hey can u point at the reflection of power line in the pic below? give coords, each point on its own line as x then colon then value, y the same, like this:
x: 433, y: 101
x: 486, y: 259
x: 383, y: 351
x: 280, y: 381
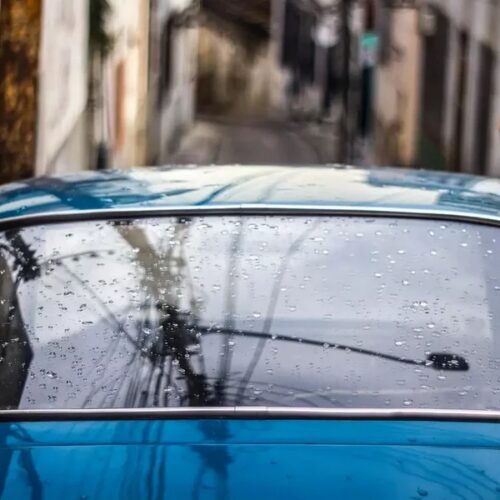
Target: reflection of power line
x: 294, y: 247
x: 101, y: 302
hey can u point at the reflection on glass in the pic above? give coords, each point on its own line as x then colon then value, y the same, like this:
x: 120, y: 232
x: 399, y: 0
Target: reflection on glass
x: 261, y: 311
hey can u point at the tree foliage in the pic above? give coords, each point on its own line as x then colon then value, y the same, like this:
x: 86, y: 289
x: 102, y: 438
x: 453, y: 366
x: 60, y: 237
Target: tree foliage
x: 19, y: 51
x: 101, y: 40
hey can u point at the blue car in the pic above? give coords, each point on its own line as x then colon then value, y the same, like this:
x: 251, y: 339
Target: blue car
x: 242, y: 332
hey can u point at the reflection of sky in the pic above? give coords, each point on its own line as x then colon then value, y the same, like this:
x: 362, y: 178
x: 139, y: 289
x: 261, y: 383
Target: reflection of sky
x: 405, y: 288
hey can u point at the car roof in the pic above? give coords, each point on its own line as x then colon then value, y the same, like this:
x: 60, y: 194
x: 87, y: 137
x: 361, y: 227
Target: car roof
x: 274, y: 187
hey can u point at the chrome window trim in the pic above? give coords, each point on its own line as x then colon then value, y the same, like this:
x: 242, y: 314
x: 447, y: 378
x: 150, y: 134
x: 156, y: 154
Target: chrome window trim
x: 247, y: 209
x: 251, y: 413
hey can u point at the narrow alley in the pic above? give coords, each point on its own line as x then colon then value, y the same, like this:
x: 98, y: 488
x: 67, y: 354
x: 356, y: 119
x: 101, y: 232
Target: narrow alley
x: 258, y: 143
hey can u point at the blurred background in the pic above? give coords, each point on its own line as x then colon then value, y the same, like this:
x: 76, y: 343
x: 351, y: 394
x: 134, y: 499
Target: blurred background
x: 92, y: 84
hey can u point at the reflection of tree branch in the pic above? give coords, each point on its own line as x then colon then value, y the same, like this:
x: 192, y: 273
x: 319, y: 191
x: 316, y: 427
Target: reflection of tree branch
x: 271, y: 310
x: 24, y: 257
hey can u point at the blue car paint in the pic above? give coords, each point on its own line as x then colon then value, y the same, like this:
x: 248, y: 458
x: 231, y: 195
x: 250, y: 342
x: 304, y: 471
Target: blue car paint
x: 240, y: 459
x: 219, y: 185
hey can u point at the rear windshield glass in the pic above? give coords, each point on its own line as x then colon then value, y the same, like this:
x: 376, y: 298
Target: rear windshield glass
x: 336, y: 312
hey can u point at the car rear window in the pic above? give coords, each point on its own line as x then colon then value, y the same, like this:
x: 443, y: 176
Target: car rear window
x: 335, y: 312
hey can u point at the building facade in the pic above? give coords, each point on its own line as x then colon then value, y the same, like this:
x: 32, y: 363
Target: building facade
x: 438, y: 92
x: 172, y: 72
x: 61, y: 133
x: 397, y: 89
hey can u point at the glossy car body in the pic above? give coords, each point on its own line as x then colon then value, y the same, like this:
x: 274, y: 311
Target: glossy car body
x: 229, y: 452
